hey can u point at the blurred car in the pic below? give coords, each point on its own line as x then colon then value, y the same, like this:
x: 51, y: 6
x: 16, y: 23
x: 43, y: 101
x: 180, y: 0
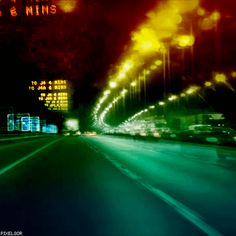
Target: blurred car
x: 90, y: 133
x: 72, y: 133
x: 223, y: 135
x: 208, y: 134
x: 66, y: 133
x: 76, y: 133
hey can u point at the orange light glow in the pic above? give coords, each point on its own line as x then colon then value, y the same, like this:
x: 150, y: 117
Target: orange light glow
x: 67, y: 5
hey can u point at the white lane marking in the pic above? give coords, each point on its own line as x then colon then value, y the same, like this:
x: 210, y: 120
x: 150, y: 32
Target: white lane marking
x: 183, y: 210
x: 9, y: 167
x: 186, y: 212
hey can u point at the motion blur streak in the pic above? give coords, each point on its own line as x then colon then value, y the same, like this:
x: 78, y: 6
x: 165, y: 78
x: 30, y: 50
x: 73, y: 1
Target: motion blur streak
x: 9, y: 167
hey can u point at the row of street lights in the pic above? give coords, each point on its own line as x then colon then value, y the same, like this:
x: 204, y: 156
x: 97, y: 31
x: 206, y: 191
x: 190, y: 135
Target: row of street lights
x: 152, y: 49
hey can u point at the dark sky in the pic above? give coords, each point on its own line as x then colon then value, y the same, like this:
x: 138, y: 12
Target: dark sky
x: 80, y: 47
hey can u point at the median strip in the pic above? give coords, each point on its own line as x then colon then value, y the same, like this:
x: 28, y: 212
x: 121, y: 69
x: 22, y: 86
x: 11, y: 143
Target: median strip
x: 9, y: 167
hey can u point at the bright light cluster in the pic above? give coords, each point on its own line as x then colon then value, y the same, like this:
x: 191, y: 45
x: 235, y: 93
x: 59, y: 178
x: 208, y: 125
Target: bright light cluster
x: 217, y: 78
x: 164, y: 27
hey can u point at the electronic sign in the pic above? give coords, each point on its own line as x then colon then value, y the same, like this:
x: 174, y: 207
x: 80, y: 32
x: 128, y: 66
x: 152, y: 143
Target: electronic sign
x: 53, y: 93
x: 14, y: 8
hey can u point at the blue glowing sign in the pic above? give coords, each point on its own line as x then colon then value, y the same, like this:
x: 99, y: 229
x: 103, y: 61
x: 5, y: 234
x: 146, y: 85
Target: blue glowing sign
x: 25, y: 123
x: 35, y: 123
x: 50, y: 129
x: 10, y: 122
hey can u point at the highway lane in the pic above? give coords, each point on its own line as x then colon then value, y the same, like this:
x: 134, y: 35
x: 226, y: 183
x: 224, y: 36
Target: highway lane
x: 112, y: 186
x: 198, y: 178
x: 16, y: 150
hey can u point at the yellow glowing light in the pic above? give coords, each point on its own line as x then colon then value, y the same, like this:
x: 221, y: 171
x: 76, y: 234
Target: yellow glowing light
x: 146, y: 41
x: 67, y: 5
x: 158, y: 62
x: 220, y: 78
x: 201, y: 11
x: 184, y: 6
x: 185, y: 41
x: 208, y: 84
x: 161, y: 103
x: 121, y: 75
x: 112, y: 84
x: 123, y: 92
x: 107, y: 92
x: 210, y: 22
x: 133, y: 84
x: 215, y: 16
x: 153, y: 67
x: 172, y: 98
x: 233, y: 74
x: 125, y: 67
x: 165, y: 19
x: 192, y: 89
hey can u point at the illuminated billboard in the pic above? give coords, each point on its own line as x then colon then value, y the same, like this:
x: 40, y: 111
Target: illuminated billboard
x: 53, y: 93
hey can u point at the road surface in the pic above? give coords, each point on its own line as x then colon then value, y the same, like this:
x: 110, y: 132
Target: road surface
x: 106, y: 185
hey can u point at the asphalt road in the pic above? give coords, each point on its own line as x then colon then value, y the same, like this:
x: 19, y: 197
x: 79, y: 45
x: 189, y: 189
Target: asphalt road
x: 114, y: 186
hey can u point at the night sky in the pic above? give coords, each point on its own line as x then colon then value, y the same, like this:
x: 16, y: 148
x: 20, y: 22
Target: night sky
x: 82, y: 46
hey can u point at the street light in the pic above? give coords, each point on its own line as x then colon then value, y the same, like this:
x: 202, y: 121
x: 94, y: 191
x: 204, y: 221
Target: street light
x: 113, y: 84
x: 183, y: 41
x: 67, y: 5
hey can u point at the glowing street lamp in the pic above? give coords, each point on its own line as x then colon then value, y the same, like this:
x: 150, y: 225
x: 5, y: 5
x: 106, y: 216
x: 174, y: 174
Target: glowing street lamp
x: 192, y: 89
x: 107, y: 92
x: 133, y: 84
x: 146, y: 41
x: 172, y: 98
x: 208, y: 84
x: 67, y: 5
x: 184, y: 41
x: 123, y: 92
x: 220, y: 78
x: 113, y: 84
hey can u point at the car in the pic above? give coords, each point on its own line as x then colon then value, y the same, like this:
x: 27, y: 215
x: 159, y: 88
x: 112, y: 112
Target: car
x: 223, y: 135
x: 208, y: 134
x: 90, y: 133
